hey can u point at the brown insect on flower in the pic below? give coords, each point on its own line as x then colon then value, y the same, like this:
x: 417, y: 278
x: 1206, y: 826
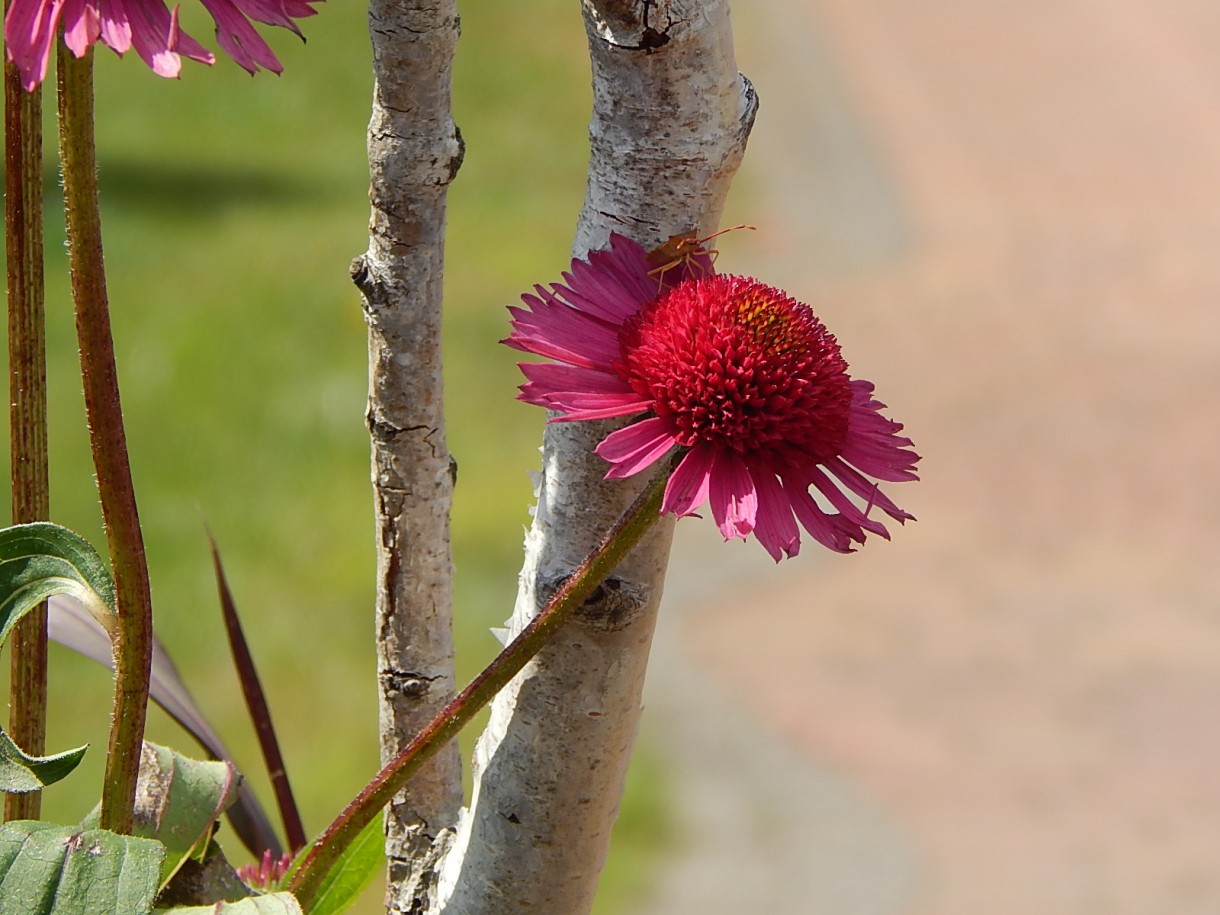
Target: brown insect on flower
x: 686, y: 251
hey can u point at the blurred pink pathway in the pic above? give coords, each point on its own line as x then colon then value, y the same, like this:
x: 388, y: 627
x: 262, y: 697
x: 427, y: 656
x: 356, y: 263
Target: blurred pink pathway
x: 1009, y: 213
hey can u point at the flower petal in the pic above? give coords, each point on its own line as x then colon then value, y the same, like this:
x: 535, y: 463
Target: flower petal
x: 151, y: 31
x: 612, y: 283
x: 774, y: 525
x: 848, y: 509
x: 635, y: 447
x: 866, y: 489
x: 551, y: 328
x: 29, y: 32
x: 688, y: 485
x: 239, y: 39
x: 579, y: 393
x: 873, y: 443
x: 832, y: 531
x: 82, y: 25
x: 733, y: 496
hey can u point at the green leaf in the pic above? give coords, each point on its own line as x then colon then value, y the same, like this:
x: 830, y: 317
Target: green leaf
x: 357, y: 866
x: 39, y: 560
x: 272, y: 904
x: 47, y: 869
x: 178, y: 801
x: 20, y: 773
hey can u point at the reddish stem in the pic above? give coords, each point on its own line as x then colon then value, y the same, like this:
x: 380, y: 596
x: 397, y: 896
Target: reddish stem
x: 23, y: 213
x: 133, y: 645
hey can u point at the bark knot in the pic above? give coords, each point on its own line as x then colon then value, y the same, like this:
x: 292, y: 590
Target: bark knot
x: 408, y: 684
x: 614, y: 604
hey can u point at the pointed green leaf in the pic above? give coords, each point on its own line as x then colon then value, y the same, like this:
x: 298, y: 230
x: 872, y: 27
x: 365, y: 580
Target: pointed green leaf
x: 178, y: 801
x: 47, y: 869
x: 272, y: 904
x: 39, y: 560
x: 20, y: 773
x: 364, y: 858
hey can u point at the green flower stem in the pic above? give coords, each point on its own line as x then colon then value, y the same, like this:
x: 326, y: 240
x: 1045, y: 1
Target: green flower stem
x: 133, y: 646
x: 629, y: 530
x: 27, y: 385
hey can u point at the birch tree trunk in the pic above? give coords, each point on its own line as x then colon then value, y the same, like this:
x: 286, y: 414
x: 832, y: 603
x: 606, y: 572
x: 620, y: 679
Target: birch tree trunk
x: 414, y: 152
x: 670, y: 122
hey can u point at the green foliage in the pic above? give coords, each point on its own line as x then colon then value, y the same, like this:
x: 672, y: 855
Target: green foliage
x: 63, y: 870
x: 20, y: 772
x: 352, y: 873
x: 40, y: 560
x: 178, y: 801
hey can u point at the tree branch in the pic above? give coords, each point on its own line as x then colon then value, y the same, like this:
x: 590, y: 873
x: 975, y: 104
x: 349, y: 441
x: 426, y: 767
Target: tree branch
x: 671, y: 117
x: 414, y: 151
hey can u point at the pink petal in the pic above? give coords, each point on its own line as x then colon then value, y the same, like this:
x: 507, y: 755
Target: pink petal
x: 577, y: 406
x: 832, y: 531
x: 866, y: 489
x: 613, y: 284
x: 151, y: 31
x: 29, y: 32
x: 186, y: 46
x: 239, y: 39
x: 848, y: 509
x: 688, y: 485
x: 733, y: 496
x: 774, y: 526
x: 550, y: 328
x: 635, y: 447
x: 556, y: 376
x: 82, y: 25
x: 115, y: 28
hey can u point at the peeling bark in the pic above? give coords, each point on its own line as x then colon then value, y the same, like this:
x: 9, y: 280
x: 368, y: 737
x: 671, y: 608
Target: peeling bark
x: 414, y: 152
x: 670, y: 122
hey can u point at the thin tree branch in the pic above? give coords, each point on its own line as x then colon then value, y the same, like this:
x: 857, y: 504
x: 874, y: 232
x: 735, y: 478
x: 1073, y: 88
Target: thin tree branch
x: 414, y: 152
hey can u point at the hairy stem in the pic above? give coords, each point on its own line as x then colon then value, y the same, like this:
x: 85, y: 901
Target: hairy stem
x: 27, y: 403
x: 634, y: 524
x: 133, y: 645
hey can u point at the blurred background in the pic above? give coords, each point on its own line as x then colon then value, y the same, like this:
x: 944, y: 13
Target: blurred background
x: 1008, y: 213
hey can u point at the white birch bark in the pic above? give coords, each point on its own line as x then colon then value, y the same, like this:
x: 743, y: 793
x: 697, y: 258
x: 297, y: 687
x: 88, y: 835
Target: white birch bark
x: 414, y: 152
x: 670, y: 122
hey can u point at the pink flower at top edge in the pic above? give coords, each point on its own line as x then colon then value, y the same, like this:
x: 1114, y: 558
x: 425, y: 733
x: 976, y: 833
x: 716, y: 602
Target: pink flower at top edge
x: 741, y: 377
x: 148, y: 26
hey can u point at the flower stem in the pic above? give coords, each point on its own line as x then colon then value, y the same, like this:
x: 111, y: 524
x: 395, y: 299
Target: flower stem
x: 133, y: 645
x: 27, y: 403
x: 625, y: 534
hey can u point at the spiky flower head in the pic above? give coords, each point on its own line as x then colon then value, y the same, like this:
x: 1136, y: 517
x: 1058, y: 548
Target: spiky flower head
x: 742, y: 378
x: 148, y: 26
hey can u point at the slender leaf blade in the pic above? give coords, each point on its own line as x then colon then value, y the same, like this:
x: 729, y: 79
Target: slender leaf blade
x: 258, y: 708
x: 48, y: 869
x: 362, y: 860
x: 20, y: 772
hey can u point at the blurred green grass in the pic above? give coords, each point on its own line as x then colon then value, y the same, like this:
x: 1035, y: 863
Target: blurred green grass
x: 231, y: 207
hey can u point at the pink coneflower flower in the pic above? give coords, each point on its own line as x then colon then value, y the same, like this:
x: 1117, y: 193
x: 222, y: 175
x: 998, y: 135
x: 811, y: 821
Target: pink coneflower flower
x: 266, y: 873
x: 146, y: 25
x: 741, y: 377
